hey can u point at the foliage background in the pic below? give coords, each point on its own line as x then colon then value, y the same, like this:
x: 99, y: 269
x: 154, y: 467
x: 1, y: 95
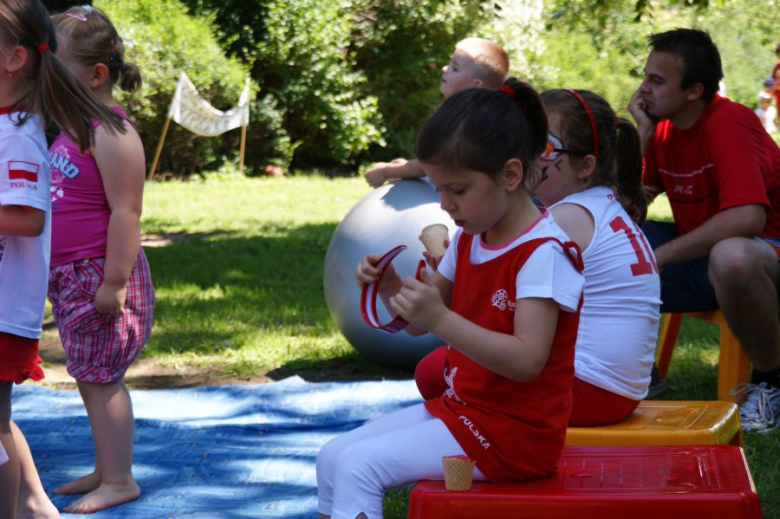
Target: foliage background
x: 340, y: 84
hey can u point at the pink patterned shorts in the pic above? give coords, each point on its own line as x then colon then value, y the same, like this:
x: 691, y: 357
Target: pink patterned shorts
x: 100, y: 347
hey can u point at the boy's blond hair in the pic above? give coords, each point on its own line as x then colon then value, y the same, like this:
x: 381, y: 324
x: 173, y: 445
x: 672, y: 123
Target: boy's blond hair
x: 491, y: 60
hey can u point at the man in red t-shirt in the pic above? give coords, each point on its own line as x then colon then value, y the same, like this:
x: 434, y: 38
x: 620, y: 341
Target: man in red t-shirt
x: 721, y: 173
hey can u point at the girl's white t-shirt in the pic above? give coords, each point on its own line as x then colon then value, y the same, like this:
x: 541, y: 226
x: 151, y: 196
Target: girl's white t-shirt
x: 24, y: 261
x: 548, y: 273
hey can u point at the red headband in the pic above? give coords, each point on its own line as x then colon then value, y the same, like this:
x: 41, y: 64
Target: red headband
x: 42, y: 47
x: 506, y: 89
x: 590, y: 118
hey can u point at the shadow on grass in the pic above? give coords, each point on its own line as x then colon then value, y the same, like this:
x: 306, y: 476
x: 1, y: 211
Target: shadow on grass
x: 263, y: 294
x: 213, y: 289
x: 350, y: 368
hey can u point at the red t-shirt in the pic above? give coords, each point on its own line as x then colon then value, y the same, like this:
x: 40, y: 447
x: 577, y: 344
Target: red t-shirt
x: 513, y: 430
x: 726, y: 159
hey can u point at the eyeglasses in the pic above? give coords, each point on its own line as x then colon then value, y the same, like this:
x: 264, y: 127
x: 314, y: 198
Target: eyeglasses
x: 555, y: 148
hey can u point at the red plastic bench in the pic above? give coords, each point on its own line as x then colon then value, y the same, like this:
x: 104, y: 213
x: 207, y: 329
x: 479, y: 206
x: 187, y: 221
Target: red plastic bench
x: 665, y: 482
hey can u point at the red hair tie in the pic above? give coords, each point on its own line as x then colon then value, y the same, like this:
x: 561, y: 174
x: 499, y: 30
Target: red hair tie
x: 42, y: 47
x: 506, y: 89
x: 590, y: 118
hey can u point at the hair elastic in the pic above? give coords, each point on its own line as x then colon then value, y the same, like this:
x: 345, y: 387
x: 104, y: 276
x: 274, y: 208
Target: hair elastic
x: 506, y: 89
x: 79, y: 17
x: 87, y: 8
x: 42, y: 47
x: 590, y: 118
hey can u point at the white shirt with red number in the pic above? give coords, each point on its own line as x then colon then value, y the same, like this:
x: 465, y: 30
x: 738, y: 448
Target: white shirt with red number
x: 621, y: 300
x: 24, y: 261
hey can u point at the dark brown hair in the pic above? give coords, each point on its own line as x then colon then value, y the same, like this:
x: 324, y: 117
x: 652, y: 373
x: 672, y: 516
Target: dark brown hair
x: 619, y: 163
x: 54, y: 92
x: 700, y: 56
x: 481, y: 129
x: 93, y: 39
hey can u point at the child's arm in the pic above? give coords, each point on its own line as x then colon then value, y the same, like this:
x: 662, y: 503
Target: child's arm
x: 520, y: 357
x: 21, y: 220
x: 394, y: 170
x: 120, y: 158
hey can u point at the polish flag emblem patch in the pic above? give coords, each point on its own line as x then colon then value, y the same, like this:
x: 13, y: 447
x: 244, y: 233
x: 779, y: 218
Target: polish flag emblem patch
x: 18, y: 170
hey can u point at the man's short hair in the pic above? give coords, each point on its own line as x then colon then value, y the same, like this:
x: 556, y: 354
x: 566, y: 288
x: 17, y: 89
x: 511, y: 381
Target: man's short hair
x: 490, y: 58
x: 700, y: 56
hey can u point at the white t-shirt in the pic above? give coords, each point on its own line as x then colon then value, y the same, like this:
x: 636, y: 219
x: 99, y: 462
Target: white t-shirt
x: 767, y: 117
x: 621, y: 300
x: 548, y: 273
x: 24, y: 261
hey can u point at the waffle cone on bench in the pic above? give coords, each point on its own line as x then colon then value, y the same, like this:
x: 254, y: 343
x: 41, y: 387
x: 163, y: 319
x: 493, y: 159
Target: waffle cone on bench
x: 458, y: 472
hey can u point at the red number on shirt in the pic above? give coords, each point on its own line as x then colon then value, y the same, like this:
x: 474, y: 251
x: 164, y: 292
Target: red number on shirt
x: 642, y: 251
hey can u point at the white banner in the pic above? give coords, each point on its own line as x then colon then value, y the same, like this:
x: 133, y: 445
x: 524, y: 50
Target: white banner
x: 193, y: 112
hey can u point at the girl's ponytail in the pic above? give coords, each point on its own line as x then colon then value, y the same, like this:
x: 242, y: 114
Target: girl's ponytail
x: 129, y: 77
x: 92, y: 39
x: 531, y: 105
x: 630, y: 190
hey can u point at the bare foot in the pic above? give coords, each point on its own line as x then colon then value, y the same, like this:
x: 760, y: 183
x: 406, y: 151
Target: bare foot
x: 37, y: 511
x: 80, y: 485
x: 105, y: 496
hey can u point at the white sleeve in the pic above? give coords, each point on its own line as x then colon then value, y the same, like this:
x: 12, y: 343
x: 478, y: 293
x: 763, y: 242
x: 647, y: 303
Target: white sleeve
x: 24, y: 174
x: 450, y: 259
x: 548, y: 273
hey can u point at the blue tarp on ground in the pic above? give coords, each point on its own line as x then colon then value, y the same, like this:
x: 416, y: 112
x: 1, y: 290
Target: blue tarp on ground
x: 210, y: 452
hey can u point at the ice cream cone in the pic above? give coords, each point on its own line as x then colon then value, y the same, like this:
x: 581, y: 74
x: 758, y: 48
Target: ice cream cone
x: 458, y: 472
x: 433, y: 237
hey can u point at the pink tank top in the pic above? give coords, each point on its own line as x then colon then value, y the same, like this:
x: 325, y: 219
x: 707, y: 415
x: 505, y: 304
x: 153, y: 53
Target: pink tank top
x: 80, y: 210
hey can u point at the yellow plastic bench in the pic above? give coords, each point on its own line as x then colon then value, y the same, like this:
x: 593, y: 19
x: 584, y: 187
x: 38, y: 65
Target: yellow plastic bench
x: 733, y: 362
x: 658, y: 422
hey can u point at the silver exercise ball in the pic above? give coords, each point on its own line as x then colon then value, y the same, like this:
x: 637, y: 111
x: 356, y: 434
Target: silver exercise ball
x: 391, y: 215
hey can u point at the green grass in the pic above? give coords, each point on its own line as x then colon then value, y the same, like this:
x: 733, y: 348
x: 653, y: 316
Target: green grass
x: 242, y: 290
x: 244, y: 294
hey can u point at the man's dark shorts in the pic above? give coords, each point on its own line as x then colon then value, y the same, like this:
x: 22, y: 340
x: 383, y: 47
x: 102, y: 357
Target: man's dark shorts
x: 685, y: 287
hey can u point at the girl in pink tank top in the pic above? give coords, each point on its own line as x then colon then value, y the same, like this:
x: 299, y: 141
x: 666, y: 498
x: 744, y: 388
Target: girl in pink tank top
x: 99, y: 283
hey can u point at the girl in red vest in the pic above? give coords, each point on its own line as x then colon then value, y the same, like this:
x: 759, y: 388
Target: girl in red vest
x: 505, y: 298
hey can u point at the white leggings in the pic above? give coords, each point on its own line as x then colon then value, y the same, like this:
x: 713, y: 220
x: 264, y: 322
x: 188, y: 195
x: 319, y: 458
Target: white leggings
x: 355, y: 469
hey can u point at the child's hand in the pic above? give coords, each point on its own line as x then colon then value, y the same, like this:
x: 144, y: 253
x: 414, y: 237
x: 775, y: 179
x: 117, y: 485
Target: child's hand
x: 433, y: 260
x: 383, y: 172
x: 110, y: 299
x: 367, y: 272
x: 419, y: 302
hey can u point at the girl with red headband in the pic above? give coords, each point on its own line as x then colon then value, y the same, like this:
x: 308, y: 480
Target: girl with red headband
x: 100, y: 286
x: 35, y: 88
x: 591, y: 183
x: 505, y: 298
